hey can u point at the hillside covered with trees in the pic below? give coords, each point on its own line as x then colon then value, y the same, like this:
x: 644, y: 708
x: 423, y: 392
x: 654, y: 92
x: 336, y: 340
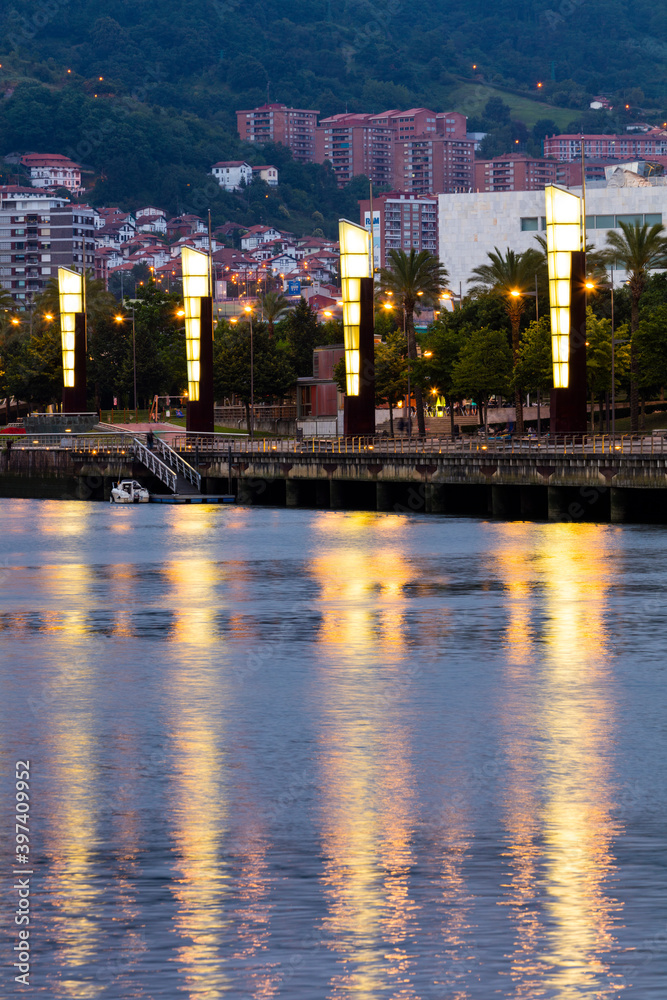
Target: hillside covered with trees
x: 144, y: 93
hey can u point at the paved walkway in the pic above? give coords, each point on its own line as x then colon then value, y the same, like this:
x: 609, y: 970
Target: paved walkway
x: 165, y: 430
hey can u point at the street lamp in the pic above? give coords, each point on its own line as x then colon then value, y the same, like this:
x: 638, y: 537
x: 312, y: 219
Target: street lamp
x: 121, y: 319
x: 248, y: 310
x: 392, y: 305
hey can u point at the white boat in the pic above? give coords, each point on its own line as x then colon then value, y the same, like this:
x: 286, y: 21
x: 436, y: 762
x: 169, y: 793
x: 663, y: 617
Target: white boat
x: 129, y: 491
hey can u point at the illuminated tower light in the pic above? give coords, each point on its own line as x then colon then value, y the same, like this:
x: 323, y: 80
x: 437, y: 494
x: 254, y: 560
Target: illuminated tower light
x: 354, y: 265
x: 563, y: 219
x: 195, y: 287
x: 70, y: 289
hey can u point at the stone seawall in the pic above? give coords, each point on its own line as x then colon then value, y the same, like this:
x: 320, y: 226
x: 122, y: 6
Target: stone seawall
x: 58, y: 474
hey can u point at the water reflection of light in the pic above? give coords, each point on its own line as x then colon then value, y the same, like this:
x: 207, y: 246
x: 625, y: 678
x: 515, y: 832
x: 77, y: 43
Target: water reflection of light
x: 565, y: 825
x: 368, y: 810
x: 66, y: 519
x: 193, y: 583
x: 71, y: 883
x: 204, y: 882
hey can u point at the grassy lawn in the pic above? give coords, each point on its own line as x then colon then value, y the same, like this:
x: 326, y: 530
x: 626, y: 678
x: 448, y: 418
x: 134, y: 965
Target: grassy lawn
x: 470, y: 98
x: 654, y: 421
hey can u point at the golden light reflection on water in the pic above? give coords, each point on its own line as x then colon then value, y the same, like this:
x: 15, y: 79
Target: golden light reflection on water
x: 192, y: 583
x: 557, y: 580
x: 65, y: 519
x: 367, y: 810
x: 71, y: 881
x: 203, y: 881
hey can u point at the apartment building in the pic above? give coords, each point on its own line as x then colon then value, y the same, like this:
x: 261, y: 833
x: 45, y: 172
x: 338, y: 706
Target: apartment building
x: 433, y: 164
x: 627, y: 145
x: 356, y: 144
x: 292, y: 127
x: 39, y: 233
x: 515, y: 172
x: 418, y: 150
x: 400, y: 222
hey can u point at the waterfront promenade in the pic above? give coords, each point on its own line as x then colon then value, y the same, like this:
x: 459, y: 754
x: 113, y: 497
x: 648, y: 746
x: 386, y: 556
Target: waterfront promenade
x: 591, y: 478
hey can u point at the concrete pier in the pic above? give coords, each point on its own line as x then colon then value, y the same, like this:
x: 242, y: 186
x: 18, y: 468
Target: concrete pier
x: 593, y: 480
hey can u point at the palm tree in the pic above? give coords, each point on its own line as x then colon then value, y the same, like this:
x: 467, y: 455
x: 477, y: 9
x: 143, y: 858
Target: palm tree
x: 510, y: 276
x: 413, y: 277
x: 273, y: 306
x: 640, y: 249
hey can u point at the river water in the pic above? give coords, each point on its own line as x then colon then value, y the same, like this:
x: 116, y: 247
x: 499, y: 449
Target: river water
x: 306, y: 754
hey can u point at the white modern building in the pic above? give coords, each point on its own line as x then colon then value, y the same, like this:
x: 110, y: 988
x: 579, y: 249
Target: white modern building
x: 231, y: 174
x: 471, y: 225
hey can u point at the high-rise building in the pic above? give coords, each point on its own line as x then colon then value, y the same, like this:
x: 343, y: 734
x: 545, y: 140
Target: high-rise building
x: 626, y: 146
x: 356, y: 144
x: 40, y: 232
x: 418, y: 150
x: 400, y: 222
x: 433, y: 164
x: 293, y: 127
x: 516, y: 172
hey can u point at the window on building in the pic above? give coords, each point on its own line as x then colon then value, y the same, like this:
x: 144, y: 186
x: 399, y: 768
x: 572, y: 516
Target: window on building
x: 630, y: 220
x: 529, y: 225
x: 604, y: 222
x: 653, y: 218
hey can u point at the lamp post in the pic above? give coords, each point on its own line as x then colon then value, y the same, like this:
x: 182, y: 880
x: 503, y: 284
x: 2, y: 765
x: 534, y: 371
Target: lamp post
x: 248, y: 310
x: 614, y: 341
x: 390, y: 305
x: 121, y: 319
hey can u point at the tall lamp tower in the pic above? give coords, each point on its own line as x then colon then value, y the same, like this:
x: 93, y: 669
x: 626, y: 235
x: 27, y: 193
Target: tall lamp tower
x: 198, y: 307
x: 73, y: 339
x: 357, y: 297
x: 566, y: 261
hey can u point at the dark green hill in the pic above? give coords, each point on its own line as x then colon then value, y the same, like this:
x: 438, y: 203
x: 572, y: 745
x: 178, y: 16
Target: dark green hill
x: 173, y: 73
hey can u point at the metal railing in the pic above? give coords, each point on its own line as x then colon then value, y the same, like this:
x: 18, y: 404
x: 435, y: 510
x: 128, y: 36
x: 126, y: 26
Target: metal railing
x: 649, y: 444
x: 182, y: 467
x: 597, y: 444
x: 155, y: 465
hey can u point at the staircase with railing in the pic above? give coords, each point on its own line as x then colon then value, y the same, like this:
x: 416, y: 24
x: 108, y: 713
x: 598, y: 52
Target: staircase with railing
x: 155, y: 465
x: 188, y: 480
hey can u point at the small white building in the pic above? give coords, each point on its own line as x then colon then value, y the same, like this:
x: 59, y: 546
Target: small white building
x: 152, y: 224
x: 257, y: 235
x: 283, y: 263
x: 231, y: 174
x: 140, y: 212
x: 267, y: 173
x: 51, y: 170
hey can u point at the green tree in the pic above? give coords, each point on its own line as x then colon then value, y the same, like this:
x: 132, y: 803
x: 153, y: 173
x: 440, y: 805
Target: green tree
x: 159, y: 345
x: 272, y: 373
x: 637, y: 249
x: 300, y: 330
x: 391, y: 373
x: 412, y: 278
x: 598, y: 361
x: 273, y: 305
x: 651, y: 347
x: 483, y: 368
x: 534, y: 370
x: 33, y: 366
x: 510, y: 276
x: 441, y: 347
